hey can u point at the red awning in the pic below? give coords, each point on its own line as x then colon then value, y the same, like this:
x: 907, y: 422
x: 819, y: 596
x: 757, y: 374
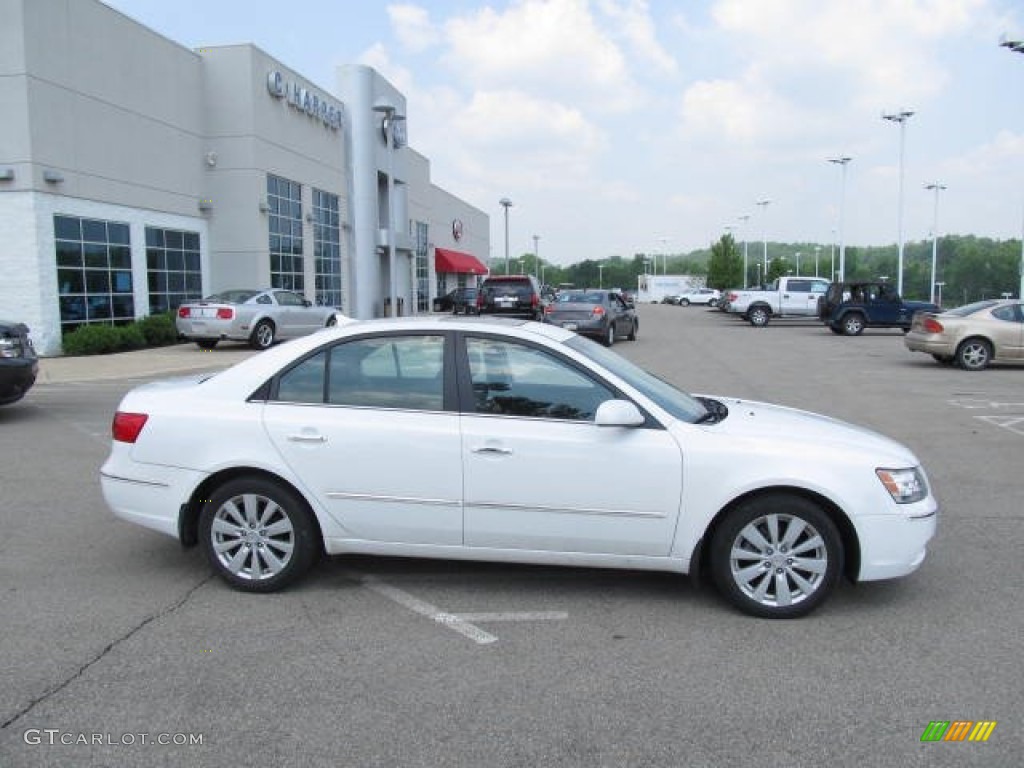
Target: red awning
x: 456, y: 261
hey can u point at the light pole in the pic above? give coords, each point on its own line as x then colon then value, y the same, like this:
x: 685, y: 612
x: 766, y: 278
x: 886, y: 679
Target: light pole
x: 664, y: 257
x: 1017, y: 46
x: 934, y: 187
x: 600, y: 275
x: 744, y: 218
x: 817, y: 255
x: 939, y: 294
x: 506, y: 204
x: 764, y: 233
x: 900, y: 117
x: 841, y: 161
x: 536, y: 257
x: 798, y: 263
x: 393, y: 140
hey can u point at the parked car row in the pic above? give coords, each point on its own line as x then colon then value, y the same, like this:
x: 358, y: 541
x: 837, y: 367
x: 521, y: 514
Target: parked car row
x: 701, y: 296
x: 970, y: 337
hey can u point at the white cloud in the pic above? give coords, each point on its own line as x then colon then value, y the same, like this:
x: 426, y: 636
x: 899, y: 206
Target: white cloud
x: 633, y: 21
x: 413, y: 27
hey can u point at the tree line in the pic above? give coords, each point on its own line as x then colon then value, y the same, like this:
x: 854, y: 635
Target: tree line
x: 969, y: 267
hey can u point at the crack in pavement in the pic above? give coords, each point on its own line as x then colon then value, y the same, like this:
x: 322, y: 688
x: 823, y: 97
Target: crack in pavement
x: 110, y: 646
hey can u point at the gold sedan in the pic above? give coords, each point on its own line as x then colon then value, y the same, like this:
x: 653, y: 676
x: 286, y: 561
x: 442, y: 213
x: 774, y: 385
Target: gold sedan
x: 971, y: 336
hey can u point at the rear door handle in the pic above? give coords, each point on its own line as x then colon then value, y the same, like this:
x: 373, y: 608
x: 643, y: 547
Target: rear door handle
x: 492, y: 451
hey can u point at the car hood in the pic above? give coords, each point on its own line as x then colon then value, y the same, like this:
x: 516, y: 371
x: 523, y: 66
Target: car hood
x: 10, y: 326
x: 780, y: 425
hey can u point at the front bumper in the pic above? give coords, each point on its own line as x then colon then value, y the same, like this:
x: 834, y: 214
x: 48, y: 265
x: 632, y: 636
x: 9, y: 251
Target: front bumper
x: 17, y: 375
x: 895, y: 545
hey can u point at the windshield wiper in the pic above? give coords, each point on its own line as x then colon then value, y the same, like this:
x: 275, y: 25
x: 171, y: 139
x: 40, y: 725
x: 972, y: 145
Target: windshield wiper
x: 716, y: 411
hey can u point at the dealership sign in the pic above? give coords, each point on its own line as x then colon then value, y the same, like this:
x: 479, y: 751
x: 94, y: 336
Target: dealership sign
x: 304, y: 99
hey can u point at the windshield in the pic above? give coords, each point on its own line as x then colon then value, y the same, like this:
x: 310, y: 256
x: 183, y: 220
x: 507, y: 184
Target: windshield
x: 970, y: 309
x: 231, y: 297
x: 681, y: 405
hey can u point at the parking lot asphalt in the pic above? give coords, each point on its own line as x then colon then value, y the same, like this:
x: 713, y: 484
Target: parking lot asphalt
x: 114, y: 636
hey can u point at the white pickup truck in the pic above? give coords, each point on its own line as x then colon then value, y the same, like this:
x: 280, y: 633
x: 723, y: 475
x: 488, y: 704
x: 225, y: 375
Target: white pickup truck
x: 786, y: 297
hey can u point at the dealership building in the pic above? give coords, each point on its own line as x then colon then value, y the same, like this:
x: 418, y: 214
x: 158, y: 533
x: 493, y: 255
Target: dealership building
x: 136, y: 174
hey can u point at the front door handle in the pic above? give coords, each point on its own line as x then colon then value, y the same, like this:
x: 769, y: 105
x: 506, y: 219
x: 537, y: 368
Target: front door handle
x: 303, y: 438
x: 492, y: 451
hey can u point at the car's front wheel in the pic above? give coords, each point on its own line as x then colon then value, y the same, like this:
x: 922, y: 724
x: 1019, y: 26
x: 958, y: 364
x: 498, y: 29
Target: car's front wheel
x: 776, y: 556
x: 262, y: 335
x: 974, y: 354
x: 258, y: 535
x: 684, y: 302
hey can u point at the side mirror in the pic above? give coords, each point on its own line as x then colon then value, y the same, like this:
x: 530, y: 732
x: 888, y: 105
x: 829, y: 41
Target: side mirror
x: 618, y: 413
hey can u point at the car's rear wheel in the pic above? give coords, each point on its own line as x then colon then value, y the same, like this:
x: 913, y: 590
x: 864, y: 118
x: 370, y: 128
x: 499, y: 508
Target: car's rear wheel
x: 633, y: 330
x: 776, y: 556
x: 853, y: 324
x: 262, y: 335
x: 206, y: 343
x: 684, y: 302
x: 258, y: 535
x: 944, y: 359
x: 609, y: 335
x: 759, y: 316
x: 974, y: 354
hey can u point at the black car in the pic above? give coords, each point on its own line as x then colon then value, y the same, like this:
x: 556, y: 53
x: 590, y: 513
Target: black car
x: 603, y: 315
x: 512, y: 296
x: 458, y: 301
x: 19, y: 365
x: 848, y: 308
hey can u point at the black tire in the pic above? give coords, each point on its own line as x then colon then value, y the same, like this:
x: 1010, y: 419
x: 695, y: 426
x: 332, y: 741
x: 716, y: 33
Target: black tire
x: 837, y: 330
x: 263, y: 335
x: 265, y: 537
x: 974, y: 354
x: 633, y: 330
x: 609, y: 335
x: 206, y: 344
x: 853, y: 324
x: 684, y: 302
x: 331, y: 321
x: 754, y: 567
x: 713, y: 303
x: 944, y: 359
x: 759, y: 316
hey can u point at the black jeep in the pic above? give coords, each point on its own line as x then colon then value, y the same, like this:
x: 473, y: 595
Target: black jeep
x: 850, y: 307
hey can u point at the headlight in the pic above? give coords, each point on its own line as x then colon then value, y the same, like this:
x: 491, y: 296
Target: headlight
x: 904, y: 485
x: 10, y: 347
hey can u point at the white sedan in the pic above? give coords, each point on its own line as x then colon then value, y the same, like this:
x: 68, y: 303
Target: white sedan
x: 258, y: 317
x: 708, y: 296
x: 513, y: 441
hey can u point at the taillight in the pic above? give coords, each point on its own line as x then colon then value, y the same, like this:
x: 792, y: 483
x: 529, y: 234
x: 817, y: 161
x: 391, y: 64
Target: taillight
x: 549, y: 309
x: 534, y: 300
x: 183, y: 311
x: 732, y: 296
x: 225, y: 313
x: 597, y: 311
x: 931, y: 325
x: 128, y: 426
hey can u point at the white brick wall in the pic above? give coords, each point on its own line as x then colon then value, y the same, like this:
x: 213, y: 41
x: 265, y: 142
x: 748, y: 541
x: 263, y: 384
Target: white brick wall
x: 28, y: 271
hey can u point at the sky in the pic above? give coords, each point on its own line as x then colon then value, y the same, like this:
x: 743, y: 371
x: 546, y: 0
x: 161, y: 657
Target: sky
x: 618, y: 127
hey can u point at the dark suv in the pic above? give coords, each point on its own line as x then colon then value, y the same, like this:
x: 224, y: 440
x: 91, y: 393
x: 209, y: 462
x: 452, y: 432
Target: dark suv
x: 849, y: 308
x: 18, y: 362
x: 512, y: 296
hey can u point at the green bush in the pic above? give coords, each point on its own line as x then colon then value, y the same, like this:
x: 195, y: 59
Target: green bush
x: 159, y: 330
x: 131, y: 337
x: 92, y: 340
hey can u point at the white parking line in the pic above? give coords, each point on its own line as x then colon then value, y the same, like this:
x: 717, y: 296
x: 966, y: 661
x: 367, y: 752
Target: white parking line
x: 484, y: 618
x: 463, y: 623
x: 423, y: 608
